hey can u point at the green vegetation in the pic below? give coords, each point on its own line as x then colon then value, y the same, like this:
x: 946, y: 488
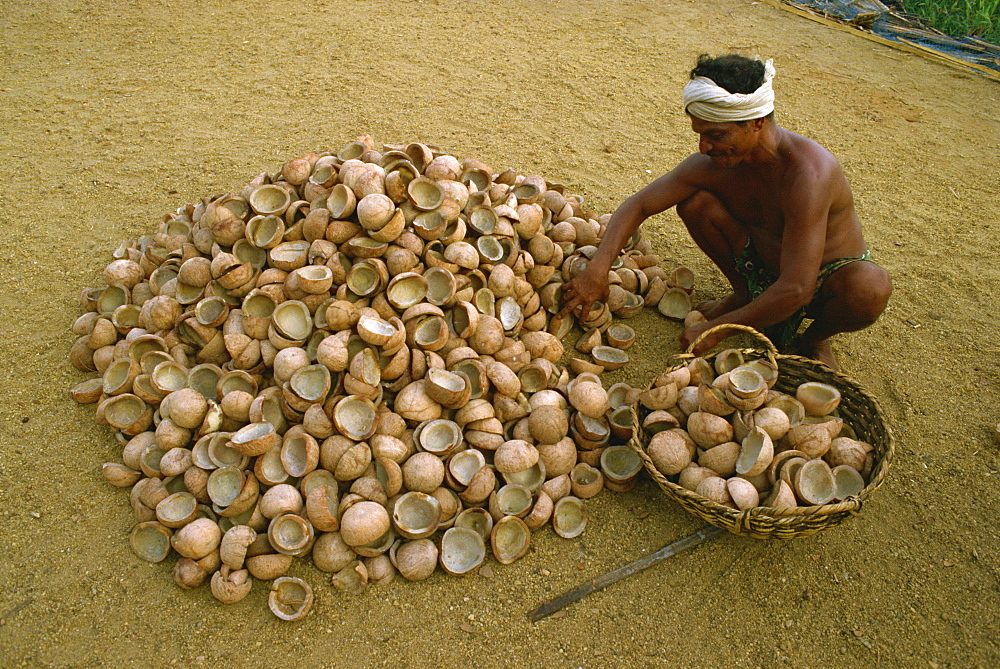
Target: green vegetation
x: 979, y: 18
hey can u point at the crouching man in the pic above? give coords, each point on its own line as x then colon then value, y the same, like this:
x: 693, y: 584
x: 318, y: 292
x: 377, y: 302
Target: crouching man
x: 773, y: 211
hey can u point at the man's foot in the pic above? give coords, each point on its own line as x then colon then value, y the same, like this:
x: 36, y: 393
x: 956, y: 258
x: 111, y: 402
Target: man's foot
x: 714, y: 308
x: 819, y: 350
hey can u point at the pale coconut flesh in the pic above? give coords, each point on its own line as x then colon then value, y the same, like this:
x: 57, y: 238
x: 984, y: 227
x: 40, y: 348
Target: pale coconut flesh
x: 295, y: 457
x: 289, y: 251
x: 440, y: 285
x: 177, y: 507
x: 445, y: 380
x: 150, y: 541
x: 288, y: 532
x: 746, y: 382
x: 425, y: 193
x: 209, y: 309
x: 620, y: 462
x: 440, y: 435
x: 509, y: 539
x: 609, y: 354
x: 847, y: 481
x: 675, y: 304
x: 268, y: 199
x: 464, y: 465
x: 293, y: 319
x: 125, y: 410
x: 116, y: 375
x: 756, y: 453
x: 367, y: 243
x: 621, y: 417
x: 408, y: 291
x: 265, y: 230
x: 355, y: 416
x: 112, y: 297
x: 199, y: 455
x: 429, y: 331
x: 531, y: 478
x: 258, y: 305
x: 792, y: 407
x: 510, y: 313
x: 363, y: 280
x: 592, y: 428
x: 186, y: 294
x: 584, y: 475
x: 513, y: 499
x: 462, y: 550
x: 483, y: 220
x: 490, y: 247
x: 312, y: 382
x: 485, y: 301
x: 818, y: 399
x: 271, y: 467
x: 315, y: 273
x: 377, y: 326
x: 416, y: 511
x: 253, y: 431
x: 569, y: 517
x: 815, y: 482
x: 248, y: 253
x: 222, y: 455
x: 224, y: 485
x: 475, y: 519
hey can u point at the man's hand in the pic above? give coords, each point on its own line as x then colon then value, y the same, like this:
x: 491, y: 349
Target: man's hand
x: 583, y: 290
x: 692, y: 332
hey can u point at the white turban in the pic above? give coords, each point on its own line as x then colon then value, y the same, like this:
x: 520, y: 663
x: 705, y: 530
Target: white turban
x: 705, y: 99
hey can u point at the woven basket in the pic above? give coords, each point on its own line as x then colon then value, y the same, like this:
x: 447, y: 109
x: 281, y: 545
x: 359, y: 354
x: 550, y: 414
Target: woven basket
x: 858, y: 408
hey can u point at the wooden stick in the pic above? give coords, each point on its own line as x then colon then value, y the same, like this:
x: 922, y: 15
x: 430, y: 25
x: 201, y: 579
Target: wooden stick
x: 593, y: 585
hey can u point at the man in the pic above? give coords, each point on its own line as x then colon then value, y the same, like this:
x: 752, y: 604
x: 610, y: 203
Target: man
x: 770, y: 208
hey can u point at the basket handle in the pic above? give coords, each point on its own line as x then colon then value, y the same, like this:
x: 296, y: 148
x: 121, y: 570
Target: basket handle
x: 769, y: 347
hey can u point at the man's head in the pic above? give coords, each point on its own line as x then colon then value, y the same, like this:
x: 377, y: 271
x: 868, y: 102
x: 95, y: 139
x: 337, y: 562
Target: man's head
x: 730, y: 100
x: 737, y: 74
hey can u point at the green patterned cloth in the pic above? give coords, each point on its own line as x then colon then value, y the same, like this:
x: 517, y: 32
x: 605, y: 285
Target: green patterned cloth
x: 758, y: 277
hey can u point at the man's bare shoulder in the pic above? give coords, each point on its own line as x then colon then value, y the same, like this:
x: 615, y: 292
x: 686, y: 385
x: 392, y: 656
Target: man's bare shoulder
x: 699, y: 171
x: 804, y: 153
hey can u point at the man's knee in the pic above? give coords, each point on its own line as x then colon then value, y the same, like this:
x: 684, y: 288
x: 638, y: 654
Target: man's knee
x: 710, y: 223
x: 698, y: 208
x: 864, y: 288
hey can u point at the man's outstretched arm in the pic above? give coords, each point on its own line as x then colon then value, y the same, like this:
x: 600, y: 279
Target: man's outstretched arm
x: 591, y: 284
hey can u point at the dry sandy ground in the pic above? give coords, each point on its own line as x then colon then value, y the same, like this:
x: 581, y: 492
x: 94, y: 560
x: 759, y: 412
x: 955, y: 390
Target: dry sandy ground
x: 114, y: 113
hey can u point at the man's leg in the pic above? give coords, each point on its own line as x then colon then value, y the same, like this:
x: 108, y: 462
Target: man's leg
x: 722, y: 238
x: 851, y: 298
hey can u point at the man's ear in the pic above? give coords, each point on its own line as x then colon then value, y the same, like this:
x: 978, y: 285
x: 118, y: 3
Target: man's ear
x: 757, y: 123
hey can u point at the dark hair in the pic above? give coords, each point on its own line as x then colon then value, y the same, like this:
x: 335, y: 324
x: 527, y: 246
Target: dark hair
x: 737, y: 74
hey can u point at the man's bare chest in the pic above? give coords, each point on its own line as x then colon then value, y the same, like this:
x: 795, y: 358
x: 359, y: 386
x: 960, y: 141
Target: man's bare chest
x: 754, y: 203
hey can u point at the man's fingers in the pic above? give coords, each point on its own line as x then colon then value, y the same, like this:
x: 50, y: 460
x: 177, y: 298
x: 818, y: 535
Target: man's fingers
x: 568, y: 297
x: 565, y: 310
x: 585, y: 305
x: 568, y: 305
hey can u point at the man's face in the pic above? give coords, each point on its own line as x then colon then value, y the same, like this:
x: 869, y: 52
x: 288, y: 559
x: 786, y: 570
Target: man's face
x: 727, y: 144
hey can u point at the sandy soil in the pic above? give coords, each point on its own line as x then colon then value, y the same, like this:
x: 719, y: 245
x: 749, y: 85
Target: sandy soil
x: 114, y: 113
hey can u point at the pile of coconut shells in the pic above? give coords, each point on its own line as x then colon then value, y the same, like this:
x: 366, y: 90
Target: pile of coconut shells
x: 718, y: 428
x: 357, y: 360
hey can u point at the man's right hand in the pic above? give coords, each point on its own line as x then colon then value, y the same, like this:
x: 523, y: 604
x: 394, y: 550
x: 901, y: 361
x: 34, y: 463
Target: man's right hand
x: 583, y: 290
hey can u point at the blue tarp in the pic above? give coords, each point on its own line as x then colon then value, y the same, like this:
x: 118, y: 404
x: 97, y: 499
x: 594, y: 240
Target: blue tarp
x: 886, y: 23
